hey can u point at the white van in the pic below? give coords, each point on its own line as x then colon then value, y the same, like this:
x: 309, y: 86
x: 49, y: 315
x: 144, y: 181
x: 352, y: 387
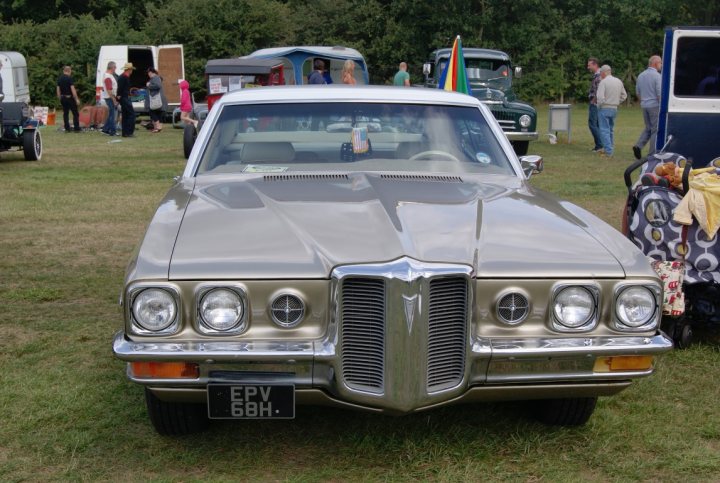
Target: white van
x: 169, y: 60
x: 14, y: 77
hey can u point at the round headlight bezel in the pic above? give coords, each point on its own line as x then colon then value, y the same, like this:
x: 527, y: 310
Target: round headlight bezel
x: 563, y: 294
x: 652, y: 294
x: 525, y: 121
x: 235, y: 299
x: 141, y: 297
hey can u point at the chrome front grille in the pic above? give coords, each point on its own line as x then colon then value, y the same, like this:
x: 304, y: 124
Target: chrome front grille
x: 363, y: 334
x: 402, y: 331
x: 447, y: 328
x: 506, y: 119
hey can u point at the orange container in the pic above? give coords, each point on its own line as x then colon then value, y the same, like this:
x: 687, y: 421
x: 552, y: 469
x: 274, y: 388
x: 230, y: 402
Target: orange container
x: 51, y: 118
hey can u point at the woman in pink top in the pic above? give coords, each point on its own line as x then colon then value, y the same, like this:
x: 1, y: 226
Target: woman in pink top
x: 186, y: 103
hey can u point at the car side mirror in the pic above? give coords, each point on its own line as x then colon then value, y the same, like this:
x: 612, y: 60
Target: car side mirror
x: 518, y: 71
x: 427, y: 68
x: 531, y: 164
x: 2, y: 96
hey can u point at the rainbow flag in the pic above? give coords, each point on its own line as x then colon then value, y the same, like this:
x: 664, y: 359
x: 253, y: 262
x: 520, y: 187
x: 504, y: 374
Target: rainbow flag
x: 454, y: 77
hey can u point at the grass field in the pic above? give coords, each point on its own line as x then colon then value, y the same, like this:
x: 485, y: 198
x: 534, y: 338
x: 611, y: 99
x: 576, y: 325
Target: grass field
x: 68, y: 225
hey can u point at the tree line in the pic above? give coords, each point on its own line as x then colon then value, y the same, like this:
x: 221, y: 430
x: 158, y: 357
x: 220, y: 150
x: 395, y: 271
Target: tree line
x: 550, y: 39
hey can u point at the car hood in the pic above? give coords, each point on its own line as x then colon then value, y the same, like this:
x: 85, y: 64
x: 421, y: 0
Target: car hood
x: 302, y: 226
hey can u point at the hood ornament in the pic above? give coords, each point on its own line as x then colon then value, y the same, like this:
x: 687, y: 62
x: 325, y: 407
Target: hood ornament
x: 410, y: 303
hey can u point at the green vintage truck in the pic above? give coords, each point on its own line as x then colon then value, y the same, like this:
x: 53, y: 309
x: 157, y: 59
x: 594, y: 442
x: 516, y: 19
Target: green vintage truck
x: 491, y: 75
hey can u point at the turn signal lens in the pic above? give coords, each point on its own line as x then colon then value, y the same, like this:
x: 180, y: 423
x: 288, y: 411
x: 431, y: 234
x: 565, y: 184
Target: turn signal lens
x: 165, y: 370
x: 623, y: 363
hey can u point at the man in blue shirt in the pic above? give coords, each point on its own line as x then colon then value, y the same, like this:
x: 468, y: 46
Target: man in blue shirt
x: 648, y: 91
x: 316, y: 76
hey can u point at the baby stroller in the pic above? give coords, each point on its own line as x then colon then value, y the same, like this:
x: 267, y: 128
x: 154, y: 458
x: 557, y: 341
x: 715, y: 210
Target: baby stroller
x: 648, y: 220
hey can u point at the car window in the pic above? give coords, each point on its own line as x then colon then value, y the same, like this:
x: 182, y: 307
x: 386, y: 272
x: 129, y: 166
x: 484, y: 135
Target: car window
x: 346, y: 136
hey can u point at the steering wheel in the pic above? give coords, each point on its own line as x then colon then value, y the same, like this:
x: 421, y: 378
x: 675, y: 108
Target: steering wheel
x: 432, y: 152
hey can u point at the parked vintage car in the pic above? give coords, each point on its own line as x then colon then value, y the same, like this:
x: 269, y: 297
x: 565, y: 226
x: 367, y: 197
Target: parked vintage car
x: 228, y: 75
x: 491, y: 73
x: 376, y: 249
x: 18, y: 130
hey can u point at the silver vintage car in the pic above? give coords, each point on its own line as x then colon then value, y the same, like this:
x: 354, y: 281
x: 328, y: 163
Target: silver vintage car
x: 376, y: 249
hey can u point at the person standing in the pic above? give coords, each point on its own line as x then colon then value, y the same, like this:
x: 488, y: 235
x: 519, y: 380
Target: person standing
x: 316, y: 76
x: 156, y: 102
x: 611, y: 92
x: 348, y: 72
x: 69, y: 100
x: 126, y: 107
x: 648, y: 87
x: 1, y: 86
x: 186, y: 106
x: 593, y: 122
x: 402, y: 78
x: 109, y: 97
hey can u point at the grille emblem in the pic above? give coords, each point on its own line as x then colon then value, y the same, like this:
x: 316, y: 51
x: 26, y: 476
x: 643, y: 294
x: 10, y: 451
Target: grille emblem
x: 410, y: 303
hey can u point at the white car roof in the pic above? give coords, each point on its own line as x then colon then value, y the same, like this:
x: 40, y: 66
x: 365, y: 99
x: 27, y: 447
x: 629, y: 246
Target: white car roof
x: 342, y: 93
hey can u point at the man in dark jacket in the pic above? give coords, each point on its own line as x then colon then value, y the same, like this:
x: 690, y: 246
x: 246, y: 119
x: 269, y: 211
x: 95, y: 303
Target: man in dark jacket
x: 68, y: 99
x: 126, y: 107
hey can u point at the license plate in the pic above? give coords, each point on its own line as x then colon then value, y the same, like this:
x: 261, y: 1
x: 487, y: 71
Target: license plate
x: 250, y: 401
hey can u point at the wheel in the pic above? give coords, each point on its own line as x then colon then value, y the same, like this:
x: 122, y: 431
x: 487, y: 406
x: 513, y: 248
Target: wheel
x: 574, y: 411
x: 431, y: 153
x: 521, y: 147
x: 173, y: 418
x: 32, y: 145
x: 683, y: 336
x: 189, y: 135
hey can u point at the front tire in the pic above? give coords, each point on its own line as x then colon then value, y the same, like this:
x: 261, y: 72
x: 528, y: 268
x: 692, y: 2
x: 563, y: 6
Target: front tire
x: 32, y: 145
x: 521, y: 147
x: 174, y: 418
x: 574, y: 411
x: 189, y: 135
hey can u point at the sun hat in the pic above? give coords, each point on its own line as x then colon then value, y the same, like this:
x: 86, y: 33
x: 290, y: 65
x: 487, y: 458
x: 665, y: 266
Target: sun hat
x: 128, y: 66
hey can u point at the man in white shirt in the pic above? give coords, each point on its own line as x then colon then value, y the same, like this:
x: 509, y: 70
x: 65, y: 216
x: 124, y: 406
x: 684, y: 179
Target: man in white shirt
x: 109, y: 96
x: 610, y: 94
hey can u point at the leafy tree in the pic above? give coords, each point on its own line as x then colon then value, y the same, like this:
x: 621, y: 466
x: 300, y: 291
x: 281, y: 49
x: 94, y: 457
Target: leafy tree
x: 211, y: 29
x: 73, y: 41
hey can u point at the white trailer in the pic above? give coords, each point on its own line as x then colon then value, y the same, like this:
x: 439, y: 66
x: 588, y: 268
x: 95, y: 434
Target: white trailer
x: 14, y: 77
x: 169, y: 61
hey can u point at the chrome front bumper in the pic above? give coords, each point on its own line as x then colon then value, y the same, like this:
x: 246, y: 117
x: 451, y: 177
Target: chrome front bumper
x: 521, y: 136
x: 496, y: 369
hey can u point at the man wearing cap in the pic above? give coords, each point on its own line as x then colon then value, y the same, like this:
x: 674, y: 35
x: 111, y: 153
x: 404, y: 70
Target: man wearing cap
x: 648, y: 91
x: 123, y: 96
x: 611, y: 92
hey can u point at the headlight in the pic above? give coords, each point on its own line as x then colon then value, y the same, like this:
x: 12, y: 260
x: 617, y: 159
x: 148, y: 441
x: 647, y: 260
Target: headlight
x: 574, y: 307
x: 154, y: 309
x: 635, y: 306
x: 525, y: 120
x: 221, y: 310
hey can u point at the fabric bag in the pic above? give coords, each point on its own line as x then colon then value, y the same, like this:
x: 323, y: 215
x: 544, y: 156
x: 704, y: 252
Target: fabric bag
x: 155, y: 102
x: 671, y: 273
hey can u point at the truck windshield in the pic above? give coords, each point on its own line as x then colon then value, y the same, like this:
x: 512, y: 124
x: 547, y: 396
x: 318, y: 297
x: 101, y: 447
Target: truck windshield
x: 486, y: 72
x: 349, y: 136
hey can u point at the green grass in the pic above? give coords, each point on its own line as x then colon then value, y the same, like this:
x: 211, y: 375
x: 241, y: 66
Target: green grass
x: 68, y: 225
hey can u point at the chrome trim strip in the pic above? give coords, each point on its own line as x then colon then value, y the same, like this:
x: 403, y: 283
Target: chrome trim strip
x: 522, y: 136
x: 576, y: 346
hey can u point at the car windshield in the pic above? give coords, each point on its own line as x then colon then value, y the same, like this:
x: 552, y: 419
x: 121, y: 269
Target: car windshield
x: 352, y: 136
